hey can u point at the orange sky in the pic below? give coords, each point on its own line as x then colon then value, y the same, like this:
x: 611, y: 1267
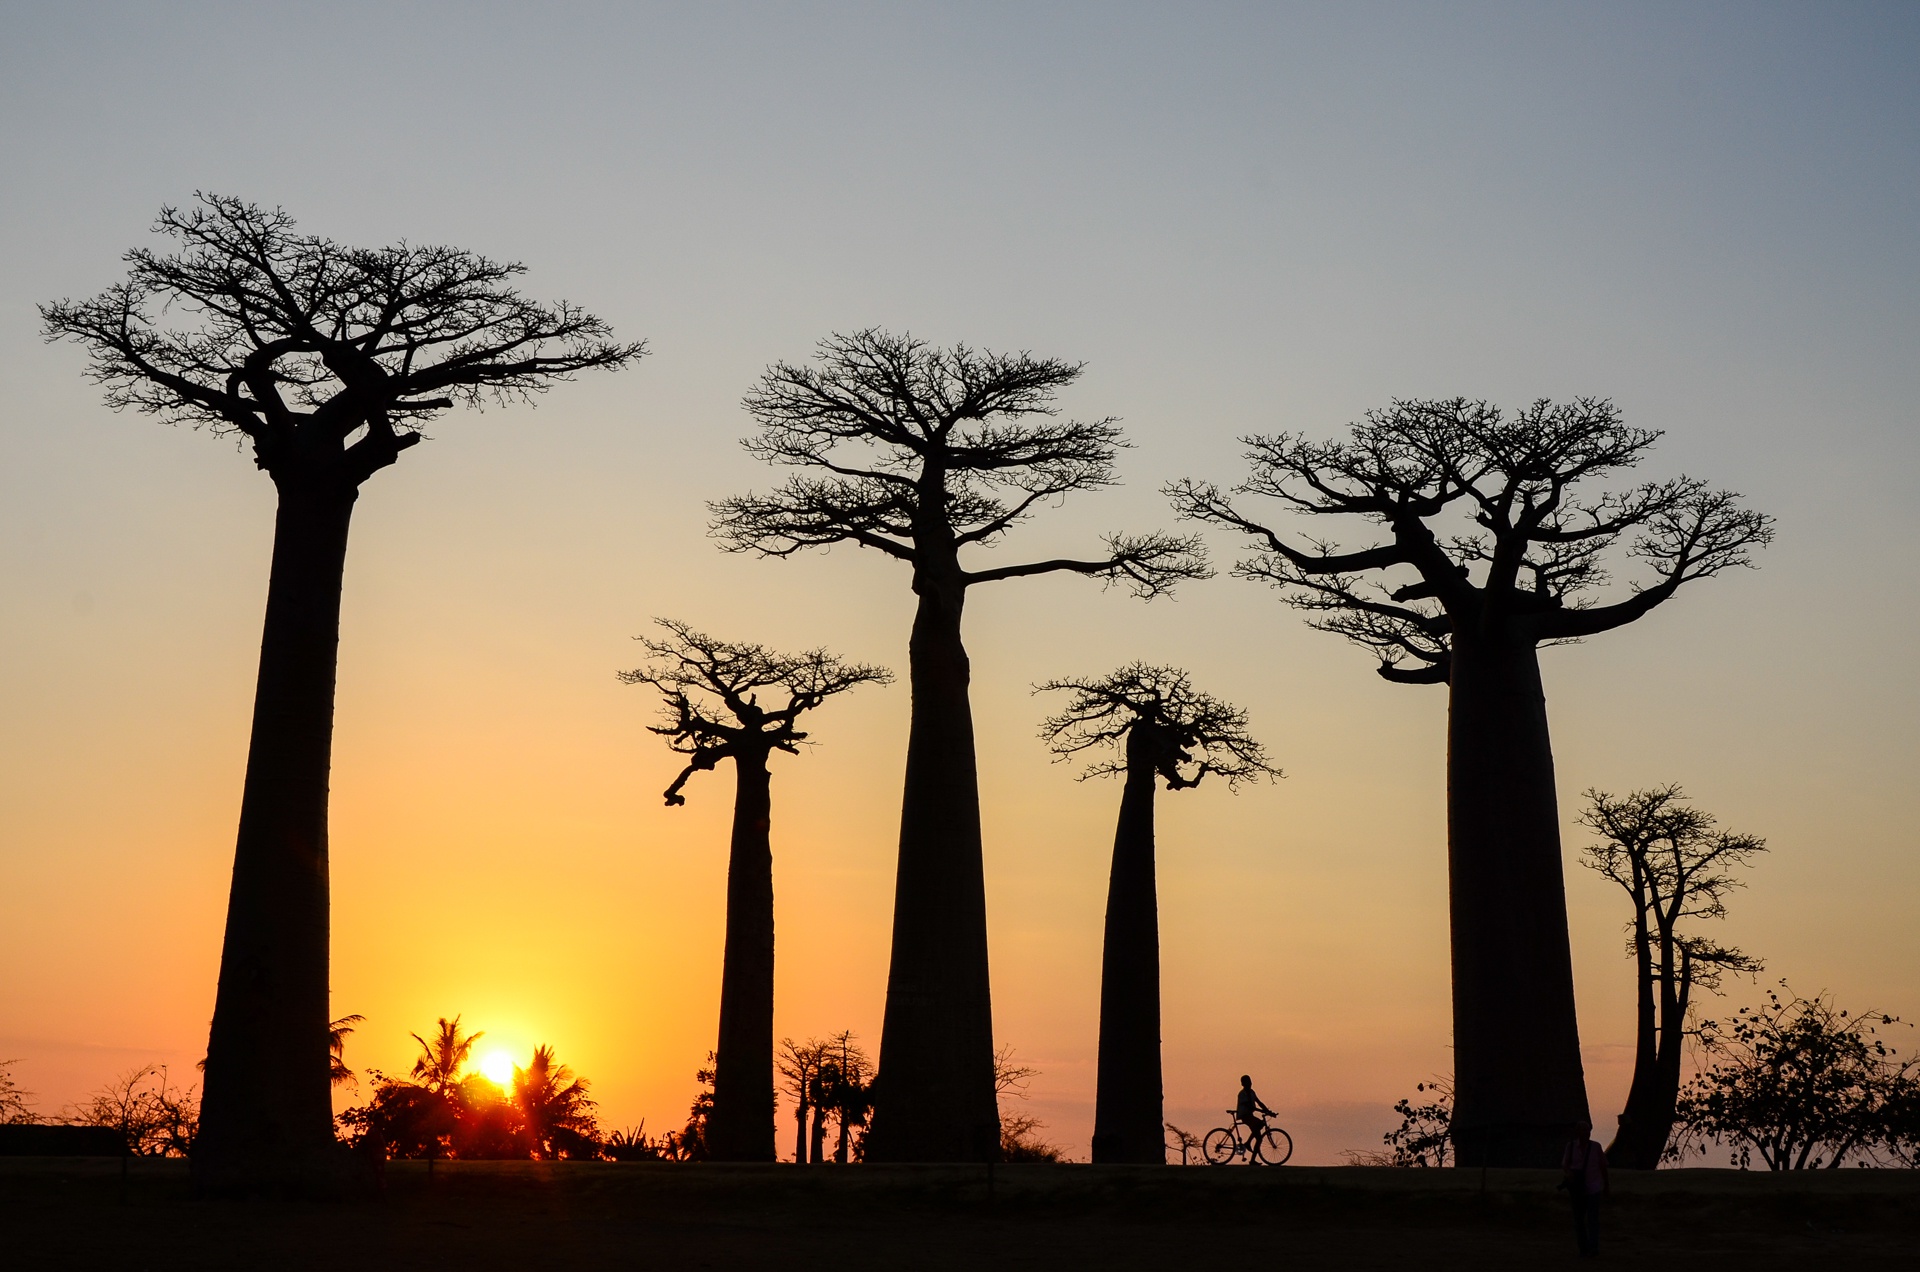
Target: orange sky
x: 1230, y: 253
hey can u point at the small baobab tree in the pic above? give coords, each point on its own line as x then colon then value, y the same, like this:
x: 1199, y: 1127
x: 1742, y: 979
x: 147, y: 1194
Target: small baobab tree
x: 1148, y: 724
x: 712, y: 713
x: 328, y: 360
x: 1675, y: 867
x: 928, y: 455
x: 1484, y: 551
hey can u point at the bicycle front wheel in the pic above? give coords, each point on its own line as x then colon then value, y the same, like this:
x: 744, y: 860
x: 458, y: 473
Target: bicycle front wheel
x: 1275, y: 1147
x: 1219, y: 1147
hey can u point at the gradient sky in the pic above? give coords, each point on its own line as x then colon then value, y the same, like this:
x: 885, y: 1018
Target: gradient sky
x: 1243, y: 218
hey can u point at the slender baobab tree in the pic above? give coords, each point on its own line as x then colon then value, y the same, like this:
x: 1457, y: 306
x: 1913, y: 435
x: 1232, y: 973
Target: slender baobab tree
x: 712, y: 713
x: 1148, y: 724
x: 328, y: 360
x: 1674, y: 865
x: 925, y: 455
x: 1484, y: 553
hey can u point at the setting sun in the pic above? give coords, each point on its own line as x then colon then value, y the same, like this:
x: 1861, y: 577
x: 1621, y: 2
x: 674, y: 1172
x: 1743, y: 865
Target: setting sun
x: 498, y: 1069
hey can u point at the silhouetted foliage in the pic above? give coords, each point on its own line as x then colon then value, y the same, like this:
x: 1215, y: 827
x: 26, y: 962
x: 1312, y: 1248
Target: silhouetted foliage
x: 634, y: 1145
x: 924, y: 455
x: 1019, y: 1132
x: 714, y: 712
x: 1673, y: 865
x: 444, y: 1055
x: 337, y: 1032
x: 547, y: 1114
x: 1484, y: 552
x: 1142, y: 721
x: 328, y: 360
x: 1802, y: 1084
x: 1195, y: 733
x: 154, y: 1117
x: 830, y: 1081
x: 689, y: 1144
x: 556, y: 1113
x: 14, y: 1102
x: 1187, y: 1144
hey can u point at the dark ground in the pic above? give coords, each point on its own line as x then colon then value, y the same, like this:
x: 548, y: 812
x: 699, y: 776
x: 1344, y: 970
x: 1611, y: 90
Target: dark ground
x: 76, y: 1213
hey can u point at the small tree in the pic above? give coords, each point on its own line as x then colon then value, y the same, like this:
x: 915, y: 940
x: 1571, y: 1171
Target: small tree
x: 444, y: 1055
x: 1020, y: 1140
x: 713, y: 712
x: 328, y: 360
x: 1485, y: 552
x: 555, y: 1109
x: 14, y: 1102
x: 154, y: 1117
x: 1674, y: 866
x: 1148, y: 723
x: 1802, y: 1084
x: 927, y: 456
x: 799, y: 1067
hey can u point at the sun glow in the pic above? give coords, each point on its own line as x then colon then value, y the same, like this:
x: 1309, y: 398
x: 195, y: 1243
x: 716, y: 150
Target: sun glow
x: 498, y: 1069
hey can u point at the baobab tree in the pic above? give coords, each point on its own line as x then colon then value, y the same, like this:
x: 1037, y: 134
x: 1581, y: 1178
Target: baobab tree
x: 1484, y: 553
x: 1674, y: 865
x: 328, y: 360
x: 926, y: 455
x: 713, y: 713
x: 1151, y: 725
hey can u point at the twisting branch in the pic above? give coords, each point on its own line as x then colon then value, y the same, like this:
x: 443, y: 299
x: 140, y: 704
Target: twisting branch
x: 1193, y: 733
x: 711, y: 689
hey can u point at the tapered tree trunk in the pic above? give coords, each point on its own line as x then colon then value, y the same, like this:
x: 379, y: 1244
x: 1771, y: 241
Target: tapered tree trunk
x: 934, y: 1097
x: 740, y: 1127
x: 267, y: 1108
x: 1638, y: 1120
x: 1127, y: 1122
x: 1519, y: 1088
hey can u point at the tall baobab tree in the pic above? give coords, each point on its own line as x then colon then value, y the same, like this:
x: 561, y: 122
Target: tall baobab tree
x: 328, y: 360
x: 925, y: 455
x: 1673, y: 864
x: 1483, y: 553
x: 1149, y: 724
x: 712, y: 713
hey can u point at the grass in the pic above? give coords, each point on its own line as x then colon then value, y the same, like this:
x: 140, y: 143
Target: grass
x: 75, y: 1213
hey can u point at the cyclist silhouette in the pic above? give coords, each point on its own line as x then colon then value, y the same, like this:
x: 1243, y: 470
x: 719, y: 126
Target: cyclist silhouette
x: 1251, y: 1110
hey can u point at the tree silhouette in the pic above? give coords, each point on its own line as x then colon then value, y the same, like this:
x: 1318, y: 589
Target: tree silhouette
x: 1487, y: 554
x: 328, y: 360
x: 712, y: 713
x: 437, y: 1067
x: 1146, y: 723
x: 1674, y: 865
x: 924, y: 454
x: 555, y: 1110
x: 337, y: 1031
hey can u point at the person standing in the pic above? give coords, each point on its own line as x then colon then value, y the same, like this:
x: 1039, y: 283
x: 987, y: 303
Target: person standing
x: 1584, y: 1176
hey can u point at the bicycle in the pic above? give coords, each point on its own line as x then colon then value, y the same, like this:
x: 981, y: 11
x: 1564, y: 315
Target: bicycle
x: 1236, y: 1139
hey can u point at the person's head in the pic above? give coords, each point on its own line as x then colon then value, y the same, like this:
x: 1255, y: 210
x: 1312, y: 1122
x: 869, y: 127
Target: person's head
x: 1584, y: 1129
x: 1246, y: 1081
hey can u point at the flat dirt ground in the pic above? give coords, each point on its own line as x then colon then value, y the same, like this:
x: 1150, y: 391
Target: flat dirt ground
x: 73, y: 1213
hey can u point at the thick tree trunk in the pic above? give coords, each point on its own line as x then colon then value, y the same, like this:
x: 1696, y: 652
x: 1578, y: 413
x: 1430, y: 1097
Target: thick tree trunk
x: 740, y: 1127
x: 934, y: 1097
x: 1519, y: 1088
x: 1638, y: 1120
x: 267, y: 1110
x: 1127, y: 1122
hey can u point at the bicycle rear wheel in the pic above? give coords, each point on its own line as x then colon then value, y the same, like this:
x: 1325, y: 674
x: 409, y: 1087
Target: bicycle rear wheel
x: 1219, y: 1147
x: 1276, y: 1146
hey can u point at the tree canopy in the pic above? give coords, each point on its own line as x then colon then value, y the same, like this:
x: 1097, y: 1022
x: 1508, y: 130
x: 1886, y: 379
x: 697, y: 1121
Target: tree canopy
x: 1486, y: 527
x: 314, y: 351
x: 1203, y: 734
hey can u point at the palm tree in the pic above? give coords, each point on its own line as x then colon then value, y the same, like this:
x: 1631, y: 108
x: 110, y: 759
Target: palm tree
x: 337, y: 1032
x: 438, y: 1066
x: 1157, y: 722
x: 713, y: 713
x: 555, y: 1109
